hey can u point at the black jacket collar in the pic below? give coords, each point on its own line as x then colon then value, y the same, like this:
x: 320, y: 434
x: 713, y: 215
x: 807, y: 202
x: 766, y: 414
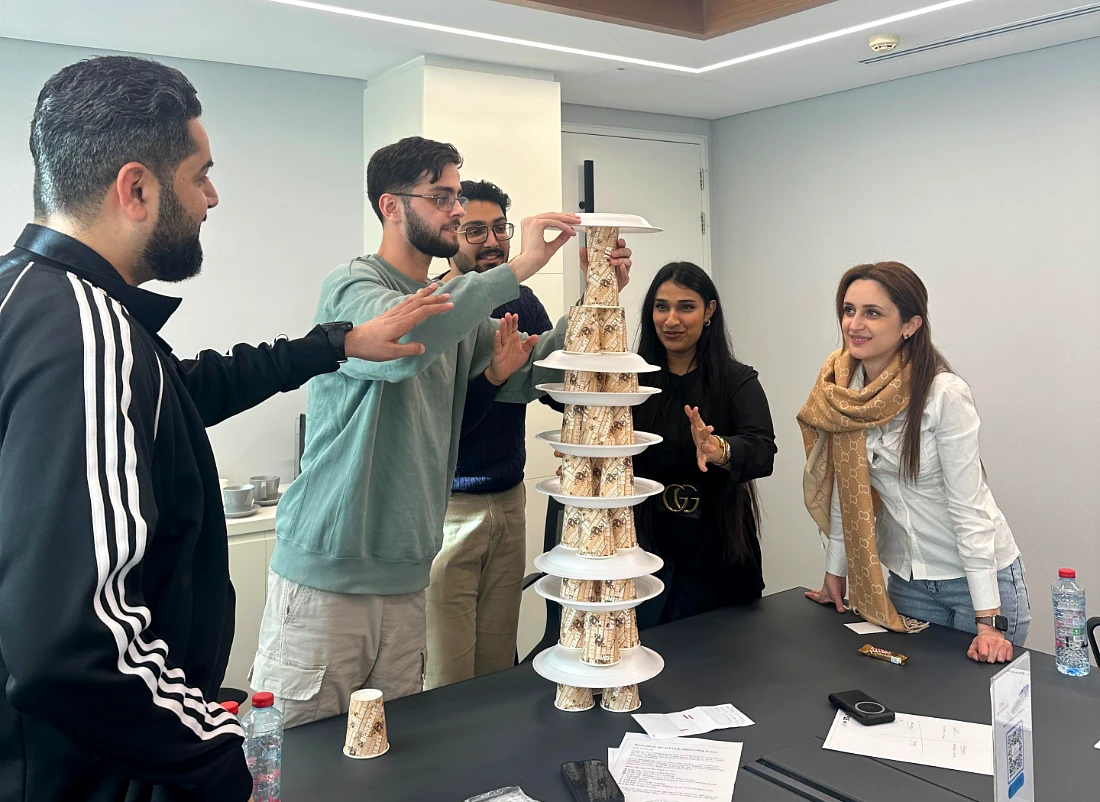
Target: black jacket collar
x: 148, y: 308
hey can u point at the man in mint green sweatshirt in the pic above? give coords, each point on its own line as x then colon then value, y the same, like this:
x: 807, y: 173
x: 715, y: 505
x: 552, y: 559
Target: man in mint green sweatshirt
x: 358, y: 529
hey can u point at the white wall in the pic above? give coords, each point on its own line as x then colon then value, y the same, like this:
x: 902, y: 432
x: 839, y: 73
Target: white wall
x: 289, y: 154
x: 986, y: 180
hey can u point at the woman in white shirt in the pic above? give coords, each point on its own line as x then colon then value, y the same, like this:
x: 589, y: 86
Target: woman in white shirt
x: 893, y: 474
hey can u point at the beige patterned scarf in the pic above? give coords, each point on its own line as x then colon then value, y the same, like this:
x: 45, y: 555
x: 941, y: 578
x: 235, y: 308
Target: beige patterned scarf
x: 834, y: 422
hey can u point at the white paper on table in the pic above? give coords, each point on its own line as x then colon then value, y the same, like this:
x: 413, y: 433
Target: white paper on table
x: 676, y: 768
x: 692, y: 722
x: 959, y: 745
x: 612, y: 757
x: 1097, y: 745
x: 865, y: 628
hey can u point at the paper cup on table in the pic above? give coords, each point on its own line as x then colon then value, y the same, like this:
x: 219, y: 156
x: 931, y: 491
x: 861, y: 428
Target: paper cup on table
x: 366, y: 736
x: 625, y: 699
x: 617, y: 590
x: 616, y: 477
x: 613, y: 330
x: 571, y: 635
x: 582, y: 334
x: 582, y: 381
x: 622, y: 528
x: 578, y: 476
x: 601, y: 646
x: 618, y: 382
x: 595, y: 538
x: 602, y: 287
x: 573, y: 700
x: 572, y: 424
x: 626, y: 628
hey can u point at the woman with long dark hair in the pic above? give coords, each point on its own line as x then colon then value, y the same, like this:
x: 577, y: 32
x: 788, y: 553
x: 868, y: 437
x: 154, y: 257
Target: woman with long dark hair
x: 894, y: 477
x: 718, y: 438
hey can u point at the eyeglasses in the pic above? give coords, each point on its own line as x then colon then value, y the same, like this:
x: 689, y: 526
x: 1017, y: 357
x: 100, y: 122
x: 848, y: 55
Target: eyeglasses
x: 475, y: 235
x: 442, y: 202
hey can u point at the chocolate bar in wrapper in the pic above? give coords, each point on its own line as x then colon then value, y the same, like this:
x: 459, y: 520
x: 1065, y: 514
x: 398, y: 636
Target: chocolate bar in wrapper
x: 572, y: 424
x: 584, y: 330
x: 622, y: 528
x: 618, y: 382
x: 578, y: 476
x: 572, y: 628
x: 582, y: 590
x: 595, y: 538
x: 600, y: 647
x: 602, y: 287
x: 613, y: 330
x: 883, y: 654
x: 582, y: 381
x: 616, y: 477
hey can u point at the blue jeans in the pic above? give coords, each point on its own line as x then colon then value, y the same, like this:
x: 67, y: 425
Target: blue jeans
x: 947, y: 601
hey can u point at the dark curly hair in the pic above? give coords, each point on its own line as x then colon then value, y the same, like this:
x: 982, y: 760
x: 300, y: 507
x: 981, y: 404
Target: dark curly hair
x: 99, y: 114
x: 486, y: 191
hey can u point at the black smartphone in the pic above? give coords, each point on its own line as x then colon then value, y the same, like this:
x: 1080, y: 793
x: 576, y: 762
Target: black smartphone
x: 862, y: 707
x: 591, y: 781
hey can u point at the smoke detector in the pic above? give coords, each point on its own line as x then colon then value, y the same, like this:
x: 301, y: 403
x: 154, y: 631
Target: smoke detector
x: 884, y: 42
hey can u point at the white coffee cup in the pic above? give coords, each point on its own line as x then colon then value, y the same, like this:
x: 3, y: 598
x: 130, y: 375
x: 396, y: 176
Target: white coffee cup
x: 237, y: 498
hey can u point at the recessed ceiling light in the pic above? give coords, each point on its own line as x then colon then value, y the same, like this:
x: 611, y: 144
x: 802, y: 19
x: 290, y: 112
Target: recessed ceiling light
x: 511, y: 40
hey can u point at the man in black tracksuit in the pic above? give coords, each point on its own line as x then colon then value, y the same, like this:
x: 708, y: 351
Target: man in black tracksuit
x: 116, y: 610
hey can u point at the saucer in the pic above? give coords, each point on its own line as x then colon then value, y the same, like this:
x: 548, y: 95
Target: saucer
x: 271, y: 502
x: 244, y: 513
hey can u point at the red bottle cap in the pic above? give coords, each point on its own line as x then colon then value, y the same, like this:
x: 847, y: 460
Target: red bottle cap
x: 232, y: 707
x: 263, y: 699
x: 1067, y: 573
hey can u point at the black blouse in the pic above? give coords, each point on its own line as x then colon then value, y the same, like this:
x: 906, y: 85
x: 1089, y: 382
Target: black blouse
x: 688, y: 525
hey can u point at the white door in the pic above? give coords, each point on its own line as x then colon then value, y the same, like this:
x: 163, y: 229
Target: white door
x: 660, y: 180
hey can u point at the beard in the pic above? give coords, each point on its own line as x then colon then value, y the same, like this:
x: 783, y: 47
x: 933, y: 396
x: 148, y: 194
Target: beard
x: 467, y: 265
x: 173, y: 252
x: 424, y: 239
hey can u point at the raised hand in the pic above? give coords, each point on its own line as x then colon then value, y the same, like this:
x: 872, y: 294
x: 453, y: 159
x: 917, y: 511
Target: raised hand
x: 535, y: 251
x: 511, y: 350
x: 377, y: 339
x: 708, y: 447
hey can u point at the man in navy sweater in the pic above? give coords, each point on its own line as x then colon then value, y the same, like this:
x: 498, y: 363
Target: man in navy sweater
x: 473, y: 600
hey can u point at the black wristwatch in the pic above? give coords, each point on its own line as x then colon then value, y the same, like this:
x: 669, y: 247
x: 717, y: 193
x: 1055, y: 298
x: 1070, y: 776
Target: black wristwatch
x: 998, y: 622
x: 336, y: 333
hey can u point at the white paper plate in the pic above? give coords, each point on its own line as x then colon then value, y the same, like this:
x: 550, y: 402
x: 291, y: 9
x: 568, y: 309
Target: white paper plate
x: 648, y: 587
x: 626, y: 223
x: 563, y: 396
x: 564, y: 666
x: 626, y: 362
x: 623, y: 564
x: 642, y: 441
x: 643, y: 489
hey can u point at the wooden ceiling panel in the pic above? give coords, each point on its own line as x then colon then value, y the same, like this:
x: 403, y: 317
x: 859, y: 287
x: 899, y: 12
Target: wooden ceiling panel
x: 698, y: 19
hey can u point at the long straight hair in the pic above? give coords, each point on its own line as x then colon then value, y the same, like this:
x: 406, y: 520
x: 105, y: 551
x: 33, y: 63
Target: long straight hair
x: 908, y: 293
x: 739, y: 510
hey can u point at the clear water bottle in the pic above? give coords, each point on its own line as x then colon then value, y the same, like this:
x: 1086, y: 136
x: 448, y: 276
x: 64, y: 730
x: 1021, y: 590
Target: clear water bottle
x: 263, y: 747
x: 1071, y: 653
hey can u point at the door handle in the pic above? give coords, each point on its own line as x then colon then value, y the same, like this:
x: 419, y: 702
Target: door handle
x: 588, y: 202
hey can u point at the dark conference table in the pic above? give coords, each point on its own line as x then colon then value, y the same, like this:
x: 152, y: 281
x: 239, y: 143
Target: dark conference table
x: 777, y: 661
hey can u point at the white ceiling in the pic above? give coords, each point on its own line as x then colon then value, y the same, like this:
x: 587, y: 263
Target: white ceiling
x: 266, y: 34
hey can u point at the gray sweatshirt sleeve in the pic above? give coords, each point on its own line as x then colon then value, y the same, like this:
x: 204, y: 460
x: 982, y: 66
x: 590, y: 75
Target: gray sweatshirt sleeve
x: 359, y: 295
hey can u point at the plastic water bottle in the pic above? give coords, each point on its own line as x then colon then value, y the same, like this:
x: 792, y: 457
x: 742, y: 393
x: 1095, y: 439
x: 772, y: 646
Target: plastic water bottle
x: 263, y: 746
x: 1071, y: 653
